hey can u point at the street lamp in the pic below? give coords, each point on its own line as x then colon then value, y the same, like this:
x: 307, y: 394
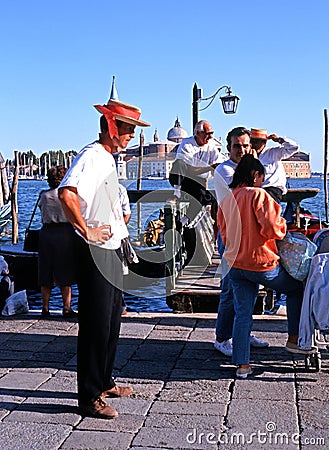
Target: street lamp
x: 229, y: 101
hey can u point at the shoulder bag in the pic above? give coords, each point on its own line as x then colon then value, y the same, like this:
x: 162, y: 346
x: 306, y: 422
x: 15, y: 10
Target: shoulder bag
x: 296, y: 252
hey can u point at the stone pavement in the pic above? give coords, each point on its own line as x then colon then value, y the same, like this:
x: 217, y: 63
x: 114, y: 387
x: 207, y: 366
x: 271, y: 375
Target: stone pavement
x: 185, y: 396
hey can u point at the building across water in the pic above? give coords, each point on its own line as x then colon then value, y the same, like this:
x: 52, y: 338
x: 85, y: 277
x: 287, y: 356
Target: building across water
x: 298, y: 165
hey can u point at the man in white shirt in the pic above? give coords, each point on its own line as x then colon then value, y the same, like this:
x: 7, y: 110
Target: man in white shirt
x: 89, y: 194
x: 197, y: 157
x: 238, y: 144
x: 271, y: 158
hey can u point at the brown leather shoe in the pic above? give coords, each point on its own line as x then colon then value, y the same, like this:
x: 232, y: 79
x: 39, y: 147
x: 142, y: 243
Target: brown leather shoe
x: 118, y: 391
x: 100, y: 409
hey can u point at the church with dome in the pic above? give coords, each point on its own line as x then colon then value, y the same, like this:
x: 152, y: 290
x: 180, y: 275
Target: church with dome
x: 177, y: 133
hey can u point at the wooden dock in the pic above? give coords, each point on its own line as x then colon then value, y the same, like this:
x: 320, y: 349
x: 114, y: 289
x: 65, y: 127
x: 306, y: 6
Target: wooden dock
x: 197, y: 288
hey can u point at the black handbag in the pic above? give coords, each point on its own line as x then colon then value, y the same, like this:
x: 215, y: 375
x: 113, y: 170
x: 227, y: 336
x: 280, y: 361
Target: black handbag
x: 31, y: 241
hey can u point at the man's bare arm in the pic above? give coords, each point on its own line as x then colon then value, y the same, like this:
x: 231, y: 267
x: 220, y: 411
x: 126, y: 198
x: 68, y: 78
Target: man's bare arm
x: 201, y: 170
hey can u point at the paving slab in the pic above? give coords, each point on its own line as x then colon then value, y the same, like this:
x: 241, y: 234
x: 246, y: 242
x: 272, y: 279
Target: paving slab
x: 249, y: 416
x: 144, y: 391
x: 169, y: 335
x: 314, y: 414
x: 202, y: 374
x: 185, y: 421
x: 148, y: 369
x: 7, y: 364
x: 130, y: 423
x: 137, y: 329
x: 51, y: 399
x: 36, y: 436
x: 206, y: 363
x: 186, y: 408
x: 19, y: 355
x: 58, y: 384
x: 205, y: 391
x: 134, y: 406
x: 28, y: 380
x: 100, y: 440
x: 264, y: 390
x: 54, y: 414
x: 13, y: 345
x: 151, y: 351
x: 11, y: 325
x: 168, y: 438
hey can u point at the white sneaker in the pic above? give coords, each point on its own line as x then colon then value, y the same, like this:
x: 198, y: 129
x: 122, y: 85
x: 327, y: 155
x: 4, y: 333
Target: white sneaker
x: 255, y: 342
x: 224, y: 347
x: 243, y: 372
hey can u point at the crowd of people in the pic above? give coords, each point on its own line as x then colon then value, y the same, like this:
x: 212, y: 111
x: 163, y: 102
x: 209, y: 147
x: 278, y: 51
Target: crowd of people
x: 84, y: 215
x: 249, y: 187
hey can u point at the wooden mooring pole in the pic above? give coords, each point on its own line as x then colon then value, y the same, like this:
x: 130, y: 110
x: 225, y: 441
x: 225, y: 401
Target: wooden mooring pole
x: 139, y: 184
x: 325, y: 170
x: 14, y: 204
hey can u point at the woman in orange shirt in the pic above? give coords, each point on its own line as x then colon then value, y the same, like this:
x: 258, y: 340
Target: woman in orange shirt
x: 250, y: 222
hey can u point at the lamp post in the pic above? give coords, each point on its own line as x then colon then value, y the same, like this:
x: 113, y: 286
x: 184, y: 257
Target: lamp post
x: 229, y: 101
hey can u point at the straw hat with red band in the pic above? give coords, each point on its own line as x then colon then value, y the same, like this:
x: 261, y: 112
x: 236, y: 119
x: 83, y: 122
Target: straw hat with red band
x: 257, y: 133
x: 115, y: 110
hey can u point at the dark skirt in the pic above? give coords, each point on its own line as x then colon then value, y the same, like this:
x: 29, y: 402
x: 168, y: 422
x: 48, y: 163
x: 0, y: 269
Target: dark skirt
x: 57, y: 264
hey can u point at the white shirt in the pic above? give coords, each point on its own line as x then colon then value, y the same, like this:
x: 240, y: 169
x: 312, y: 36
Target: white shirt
x: 271, y: 157
x: 223, y: 176
x: 124, y: 200
x: 93, y: 173
x: 199, y: 156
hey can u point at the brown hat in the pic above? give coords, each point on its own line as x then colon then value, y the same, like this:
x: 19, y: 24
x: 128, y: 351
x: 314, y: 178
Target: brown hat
x: 257, y: 133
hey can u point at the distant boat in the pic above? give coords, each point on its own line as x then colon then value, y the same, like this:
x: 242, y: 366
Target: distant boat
x: 154, y: 177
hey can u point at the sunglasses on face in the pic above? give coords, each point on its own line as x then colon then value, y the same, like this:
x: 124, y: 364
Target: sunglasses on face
x: 127, y: 129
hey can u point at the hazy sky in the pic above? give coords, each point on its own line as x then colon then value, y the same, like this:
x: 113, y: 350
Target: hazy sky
x: 58, y: 58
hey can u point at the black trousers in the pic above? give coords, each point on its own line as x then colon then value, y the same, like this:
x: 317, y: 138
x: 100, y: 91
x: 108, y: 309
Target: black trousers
x: 100, y: 299
x: 193, y: 188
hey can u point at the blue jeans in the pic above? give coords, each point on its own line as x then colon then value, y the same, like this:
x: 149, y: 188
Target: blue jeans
x: 225, y: 316
x: 245, y: 288
x: 220, y: 245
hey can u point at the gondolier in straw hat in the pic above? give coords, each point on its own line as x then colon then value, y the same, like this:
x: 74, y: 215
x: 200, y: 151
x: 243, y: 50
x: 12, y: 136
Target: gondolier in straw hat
x: 90, y: 198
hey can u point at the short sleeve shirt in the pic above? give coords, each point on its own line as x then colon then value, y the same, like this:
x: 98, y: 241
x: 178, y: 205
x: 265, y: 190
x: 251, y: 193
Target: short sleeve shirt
x: 93, y: 173
x: 223, y: 176
x: 199, y: 156
x: 124, y: 200
x: 51, y: 207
